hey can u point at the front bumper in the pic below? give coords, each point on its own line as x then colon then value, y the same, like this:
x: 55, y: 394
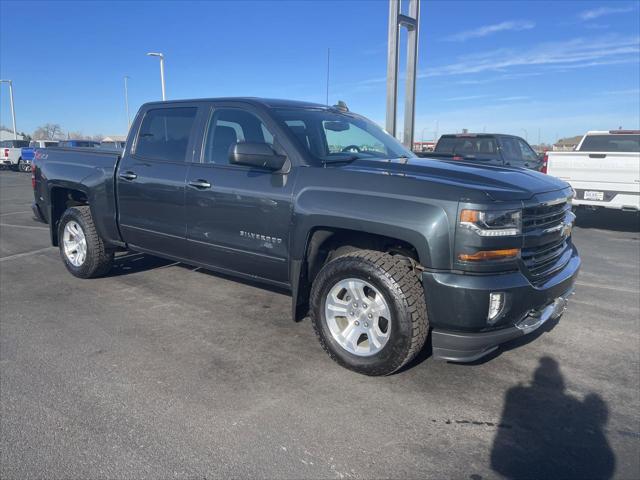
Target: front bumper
x: 458, y: 305
x: 467, y: 347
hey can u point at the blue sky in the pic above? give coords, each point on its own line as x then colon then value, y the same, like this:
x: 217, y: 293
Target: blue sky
x: 537, y: 68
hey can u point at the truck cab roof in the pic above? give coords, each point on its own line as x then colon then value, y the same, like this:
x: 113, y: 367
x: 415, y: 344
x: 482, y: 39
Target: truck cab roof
x: 257, y: 101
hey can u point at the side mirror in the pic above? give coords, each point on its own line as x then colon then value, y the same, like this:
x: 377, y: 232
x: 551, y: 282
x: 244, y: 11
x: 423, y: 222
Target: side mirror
x: 256, y: 155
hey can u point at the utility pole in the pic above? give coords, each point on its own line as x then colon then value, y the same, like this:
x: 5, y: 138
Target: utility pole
x: 126, y: 101
x: 13, y: 111
x: 328, y: 58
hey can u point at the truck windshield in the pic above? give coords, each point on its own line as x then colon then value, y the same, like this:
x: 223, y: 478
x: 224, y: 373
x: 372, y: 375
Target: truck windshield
x: 330, y: 135
x: 611, y: 143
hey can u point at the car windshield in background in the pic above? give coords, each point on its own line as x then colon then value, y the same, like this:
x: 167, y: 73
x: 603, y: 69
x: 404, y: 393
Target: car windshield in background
x: 468, y: 146
x: 330, y: 135
x: 611, y: 143
x: 15, y: 144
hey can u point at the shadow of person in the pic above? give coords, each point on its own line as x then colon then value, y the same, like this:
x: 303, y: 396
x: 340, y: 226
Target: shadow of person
x: 547, y: 433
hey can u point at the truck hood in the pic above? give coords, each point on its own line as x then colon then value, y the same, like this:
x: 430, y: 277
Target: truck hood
x: 499, y: 183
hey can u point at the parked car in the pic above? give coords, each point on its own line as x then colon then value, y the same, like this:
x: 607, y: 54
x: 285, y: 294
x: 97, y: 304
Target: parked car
x: 27, y: 152
x: 487, y: 148
x: 604, y: 170
x: 112, y: 145
x: 11, y: 153
x: 79, y: 143
x: 379, y: 246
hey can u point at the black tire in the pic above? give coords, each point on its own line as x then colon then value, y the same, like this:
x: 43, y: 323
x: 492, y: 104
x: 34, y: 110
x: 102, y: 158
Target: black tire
x: 400, y: 286
x: 98, y: 259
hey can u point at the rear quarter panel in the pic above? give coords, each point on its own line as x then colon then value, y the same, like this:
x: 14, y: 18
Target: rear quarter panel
x: 86, y: 170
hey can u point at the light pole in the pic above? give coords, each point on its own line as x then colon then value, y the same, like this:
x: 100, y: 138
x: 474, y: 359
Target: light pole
x: 422, y: 134
x: 126, y: 100
x: 328, y: 59
x: 526, y: 134
x: 161, y: 56
x: 13, y: 111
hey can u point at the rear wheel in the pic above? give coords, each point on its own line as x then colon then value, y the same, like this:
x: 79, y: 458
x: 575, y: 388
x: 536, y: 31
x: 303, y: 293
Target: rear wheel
x: 81, y: 248
x: 368, y: 311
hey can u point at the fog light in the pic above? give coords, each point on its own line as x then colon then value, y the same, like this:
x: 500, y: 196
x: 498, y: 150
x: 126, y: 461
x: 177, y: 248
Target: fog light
x: 496, y: 302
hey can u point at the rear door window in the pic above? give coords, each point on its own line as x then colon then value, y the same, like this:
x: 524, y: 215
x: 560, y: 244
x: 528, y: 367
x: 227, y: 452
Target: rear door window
x: 165, y: 132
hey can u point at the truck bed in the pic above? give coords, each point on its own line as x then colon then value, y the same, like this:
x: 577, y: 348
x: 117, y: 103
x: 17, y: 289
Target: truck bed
x: 600, y: 179
x: 88, y: 169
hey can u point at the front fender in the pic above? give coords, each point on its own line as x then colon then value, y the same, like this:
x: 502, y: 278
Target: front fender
x: 423, y: 225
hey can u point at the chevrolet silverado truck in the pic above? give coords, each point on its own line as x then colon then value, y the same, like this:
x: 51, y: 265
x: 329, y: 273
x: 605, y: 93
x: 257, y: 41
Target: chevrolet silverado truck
x: 28, y: 152
x: 486, y: 148
x: 604, y: 170
x: 379, y: 247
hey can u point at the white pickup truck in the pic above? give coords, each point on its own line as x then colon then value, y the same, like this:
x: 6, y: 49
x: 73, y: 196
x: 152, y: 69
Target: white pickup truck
x: 11, y: 153
x: 604, y: 170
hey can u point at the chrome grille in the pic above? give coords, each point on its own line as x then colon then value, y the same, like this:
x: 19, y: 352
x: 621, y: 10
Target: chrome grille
x: 544, y: 216
x: 543, y: 260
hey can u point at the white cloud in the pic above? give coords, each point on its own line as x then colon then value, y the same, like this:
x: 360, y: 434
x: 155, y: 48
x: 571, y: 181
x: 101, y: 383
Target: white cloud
x: 513, y: 25
x: 518, y: 98
x: 468, y: 97
x: 631, y: 91
x: 566, y: 54
x: 546, y: 58
x: 602, y: 11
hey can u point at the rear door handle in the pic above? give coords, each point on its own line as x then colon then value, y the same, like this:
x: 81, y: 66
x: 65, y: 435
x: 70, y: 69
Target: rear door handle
x: 128, y: 176
x: 200, y: 183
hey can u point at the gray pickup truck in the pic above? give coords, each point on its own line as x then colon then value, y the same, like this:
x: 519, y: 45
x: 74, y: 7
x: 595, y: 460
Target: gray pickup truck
x: 378, y: 246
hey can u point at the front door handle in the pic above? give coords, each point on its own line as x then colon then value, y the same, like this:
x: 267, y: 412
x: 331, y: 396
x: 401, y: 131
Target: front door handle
x: 200, y: 183
x: 128, y: 176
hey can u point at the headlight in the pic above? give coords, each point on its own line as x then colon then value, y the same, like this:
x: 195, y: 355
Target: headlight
x: 492, y: 223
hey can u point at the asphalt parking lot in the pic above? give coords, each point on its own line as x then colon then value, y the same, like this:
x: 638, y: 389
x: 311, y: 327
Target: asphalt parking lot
x: 162, y: 370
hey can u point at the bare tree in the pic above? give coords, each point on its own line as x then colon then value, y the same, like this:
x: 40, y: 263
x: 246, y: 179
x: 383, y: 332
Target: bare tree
x: 48, y: 131
x: 77, y: 136
x: 97, y: 138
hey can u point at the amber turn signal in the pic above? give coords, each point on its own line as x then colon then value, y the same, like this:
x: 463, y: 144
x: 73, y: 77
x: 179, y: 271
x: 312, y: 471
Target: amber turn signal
x: 469, y: 216
x: 489, y: 255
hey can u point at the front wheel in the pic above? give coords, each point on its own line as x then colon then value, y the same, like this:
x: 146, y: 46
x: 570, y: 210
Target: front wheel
x: 81, y: 248
x: 369, y: 312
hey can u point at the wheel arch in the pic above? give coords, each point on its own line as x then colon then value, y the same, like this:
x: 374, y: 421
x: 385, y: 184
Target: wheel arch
x: 61, y: 198
x: 326, y: 242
